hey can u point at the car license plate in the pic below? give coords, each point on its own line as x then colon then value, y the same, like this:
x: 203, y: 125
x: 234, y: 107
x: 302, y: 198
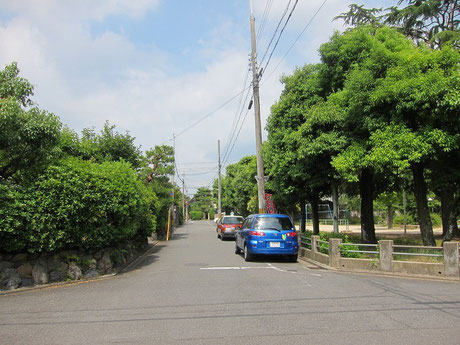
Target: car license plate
x: 275, y: 245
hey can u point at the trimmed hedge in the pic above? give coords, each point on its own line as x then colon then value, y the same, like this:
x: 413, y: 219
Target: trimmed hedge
x: 78, y: 204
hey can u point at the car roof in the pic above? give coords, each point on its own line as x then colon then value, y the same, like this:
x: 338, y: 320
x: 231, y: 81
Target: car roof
x: 268, y: 215
x: 231, y: 216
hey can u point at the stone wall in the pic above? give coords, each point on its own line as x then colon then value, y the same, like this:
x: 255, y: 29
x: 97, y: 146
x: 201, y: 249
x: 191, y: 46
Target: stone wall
x: 25, y: 269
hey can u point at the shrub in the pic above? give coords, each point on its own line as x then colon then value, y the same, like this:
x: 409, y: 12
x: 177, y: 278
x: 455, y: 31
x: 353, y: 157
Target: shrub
x: 12, y: 218
x: 196, y: 215
x: 77, y: 204
x: 399, y: 219
x: 325, y: 236
x: 436, y: 219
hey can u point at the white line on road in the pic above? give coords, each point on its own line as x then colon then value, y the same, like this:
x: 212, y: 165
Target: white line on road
x: 232, y: 268
x: 269, y: 266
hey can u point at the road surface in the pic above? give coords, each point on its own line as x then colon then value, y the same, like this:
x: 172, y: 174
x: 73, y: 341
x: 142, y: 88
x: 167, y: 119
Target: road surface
x: 195, y: 290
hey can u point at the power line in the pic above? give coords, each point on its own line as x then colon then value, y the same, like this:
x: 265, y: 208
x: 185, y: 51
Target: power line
x: 276, y: 30
x: 210, y: 113
x: 227, y: 150
x: 237, y: 115
x: 267, y: 9
x: 295, y: 41
x: 236, y: 138
x: 281, y: 33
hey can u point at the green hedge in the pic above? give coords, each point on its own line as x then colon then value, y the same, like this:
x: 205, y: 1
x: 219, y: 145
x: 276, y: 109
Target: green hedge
x: 196, y: 215
x: 77, y: 204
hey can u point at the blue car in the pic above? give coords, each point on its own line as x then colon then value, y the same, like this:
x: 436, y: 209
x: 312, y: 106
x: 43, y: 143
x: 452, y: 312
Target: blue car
x: 267, y: 234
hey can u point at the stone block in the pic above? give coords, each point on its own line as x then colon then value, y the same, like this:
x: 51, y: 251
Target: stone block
x: 25, y: 270
x: 40, y: 274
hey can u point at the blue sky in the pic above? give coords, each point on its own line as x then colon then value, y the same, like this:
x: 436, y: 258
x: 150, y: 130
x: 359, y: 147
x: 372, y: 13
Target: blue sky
x: 155, y: 67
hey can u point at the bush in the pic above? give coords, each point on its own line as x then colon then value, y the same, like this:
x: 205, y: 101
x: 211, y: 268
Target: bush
x: 436, y: 220
x: 196, y: 215
x: 12, y: 218
x: 399, y: 219
x: 325, y: 236
x: 82, y: 205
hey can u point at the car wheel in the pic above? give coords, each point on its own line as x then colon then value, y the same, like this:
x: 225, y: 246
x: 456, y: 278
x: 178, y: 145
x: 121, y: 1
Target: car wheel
x: 237, y: 249
x: 247, y: 256
x: 293, y: 258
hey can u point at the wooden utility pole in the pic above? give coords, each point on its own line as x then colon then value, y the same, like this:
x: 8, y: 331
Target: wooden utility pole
x: 255, y: 85
x: 171, y: 208
x: 183, y: 197
x: 219, y: 191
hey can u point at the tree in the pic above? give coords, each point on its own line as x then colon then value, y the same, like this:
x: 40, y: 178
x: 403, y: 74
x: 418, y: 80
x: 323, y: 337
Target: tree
x: 203, y: 201
x: 28, y: 137
x: 13, y: 86
x: 241, y: 186
x: 434, y: 22
x: 156, y: 167
x: 293, y: 176
x: 109, y: 145
x: 421, y: 101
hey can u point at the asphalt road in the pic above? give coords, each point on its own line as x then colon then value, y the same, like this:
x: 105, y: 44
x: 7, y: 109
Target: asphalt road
x: 195, y: 290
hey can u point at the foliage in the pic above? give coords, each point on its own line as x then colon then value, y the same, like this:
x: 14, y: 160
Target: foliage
x: 157, y: 164
x: 13, y: 86
x: 434, y: 22
x: 325, y: 236
x: 203, y: 201
x: 13, y: 218
x: 108, y: 145
x: 81, y: 205
x: 399, y: 219
x: 27, y: 140
x: 240, y: 186
x: 435, y: 219
x: 196, y: 215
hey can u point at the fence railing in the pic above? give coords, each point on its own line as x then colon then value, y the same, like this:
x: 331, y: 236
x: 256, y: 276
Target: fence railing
x: 385, y: 256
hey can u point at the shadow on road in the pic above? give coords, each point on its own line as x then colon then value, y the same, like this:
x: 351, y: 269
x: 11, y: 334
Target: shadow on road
x: 148, y: 259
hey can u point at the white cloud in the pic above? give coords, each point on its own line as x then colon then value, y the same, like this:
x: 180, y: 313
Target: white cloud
x: 87, y: 78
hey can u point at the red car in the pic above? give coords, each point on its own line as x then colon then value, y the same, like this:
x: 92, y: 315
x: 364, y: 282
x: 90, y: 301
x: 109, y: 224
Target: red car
x: 228, y: 225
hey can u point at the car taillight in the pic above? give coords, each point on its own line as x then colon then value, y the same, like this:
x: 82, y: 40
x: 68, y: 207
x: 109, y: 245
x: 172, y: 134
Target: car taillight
x: 291, y: 234
x: 256, y: 233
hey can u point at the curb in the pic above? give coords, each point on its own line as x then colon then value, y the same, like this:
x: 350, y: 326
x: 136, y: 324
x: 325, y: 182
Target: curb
x: 138, y: 260
x: 123, y: 269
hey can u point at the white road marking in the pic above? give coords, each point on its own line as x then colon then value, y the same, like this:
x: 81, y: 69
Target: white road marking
x: 269, y: 266
x: 232, y: 268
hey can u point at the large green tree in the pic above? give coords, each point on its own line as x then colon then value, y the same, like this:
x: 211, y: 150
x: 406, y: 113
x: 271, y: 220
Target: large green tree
x: 297, y: 160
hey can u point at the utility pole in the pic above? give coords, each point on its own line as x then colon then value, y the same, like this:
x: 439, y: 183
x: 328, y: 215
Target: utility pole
x: 255, y: 85
x: 404, y: 207
x: 183, y: 197
x: 219, y: 192
x: 172, y: 192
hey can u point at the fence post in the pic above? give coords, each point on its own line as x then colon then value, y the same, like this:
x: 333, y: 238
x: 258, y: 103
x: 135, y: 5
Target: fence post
x: 314, y: 240
x: 451, y: 268
x: 334, y: 252
x: 386, y: 255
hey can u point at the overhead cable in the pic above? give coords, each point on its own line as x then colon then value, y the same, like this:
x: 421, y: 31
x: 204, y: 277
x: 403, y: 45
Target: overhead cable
x: 295, y: 41
x: 280, y: 34
x: 276, y: 31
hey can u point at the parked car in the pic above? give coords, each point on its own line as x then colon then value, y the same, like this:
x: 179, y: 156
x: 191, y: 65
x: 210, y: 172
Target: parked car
x: 267, y: 234
x: 228, y: 225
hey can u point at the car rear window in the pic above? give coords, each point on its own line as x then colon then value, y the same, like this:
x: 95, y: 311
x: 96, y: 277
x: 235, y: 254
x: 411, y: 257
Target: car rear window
x: 273, y: 223
x: 232, y: 220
